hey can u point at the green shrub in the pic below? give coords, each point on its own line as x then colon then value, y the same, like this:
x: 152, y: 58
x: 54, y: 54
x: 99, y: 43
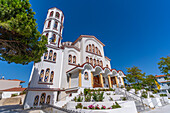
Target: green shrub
x: 107, y: 93
x: 123, y: 98
x: 79, y: 99
x: 151, y: 96
x: 128, y: 88
x: 84, y: 107
x: 111, y: 99
x: 98, y: 96
x: 116, y: 105
x: 88, y: 97
x: 154, y: 91
x: 13, y: 95
x: 79, y: 105
x: 163, y: 95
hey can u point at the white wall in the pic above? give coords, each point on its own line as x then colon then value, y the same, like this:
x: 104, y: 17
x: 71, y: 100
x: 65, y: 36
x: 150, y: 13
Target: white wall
x: 6, y: 84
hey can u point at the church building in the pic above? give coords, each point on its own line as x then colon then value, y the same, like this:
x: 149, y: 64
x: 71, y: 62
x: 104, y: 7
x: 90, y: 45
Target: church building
x: 68, y: 66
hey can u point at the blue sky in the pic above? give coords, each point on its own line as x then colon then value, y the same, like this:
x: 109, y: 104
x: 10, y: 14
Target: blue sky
x: 135, y: 32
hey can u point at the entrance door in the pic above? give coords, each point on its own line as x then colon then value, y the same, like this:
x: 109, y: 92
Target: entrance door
x: 96, y: 81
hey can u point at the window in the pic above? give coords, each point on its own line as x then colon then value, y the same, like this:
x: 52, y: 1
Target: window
x: 53, y: 38
x: 50, y: 55
x: 101, y: 63
x: 94, y: 62
x: 58, y: 42
x: 119, y: 80
x: 70, y: 59
x: 57, y: 14
x: 93, y: 48
x: 52, y: 76
x: 87, y: 49
x: 62, y: 19
x: 51, y: 14
x: 41, y: 76
x: 87, y: 59
x: 106, y: 65
x: 104, y: 80
x: 46, y: 35
x: 42, y: 99
x: 90, y: 48
x: 55, y: 25
x: 48, y: 99
x: 54, y: 57
x: 47, y: 73
x: 91, y: 61
x: 49, y: 24
x: 60, y: 29
x: 86, y: 77
x: 97, y: 62
x: 45, y: 55
x: 99, y: 52
x: 96, y: 50
x: 74, y: 59
x: 36, y: 99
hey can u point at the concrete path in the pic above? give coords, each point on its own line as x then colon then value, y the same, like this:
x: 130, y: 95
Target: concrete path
x: 164, y: 109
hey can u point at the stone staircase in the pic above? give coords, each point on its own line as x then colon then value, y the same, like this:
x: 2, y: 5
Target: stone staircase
x: 140, y: 106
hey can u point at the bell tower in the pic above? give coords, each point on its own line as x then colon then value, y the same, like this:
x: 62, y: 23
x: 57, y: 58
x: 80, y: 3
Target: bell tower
x: 53, y: 27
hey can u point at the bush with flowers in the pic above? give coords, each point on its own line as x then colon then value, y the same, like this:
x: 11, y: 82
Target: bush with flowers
x: 103, y: 107
x: 97, y: 107
x: 91, y: 107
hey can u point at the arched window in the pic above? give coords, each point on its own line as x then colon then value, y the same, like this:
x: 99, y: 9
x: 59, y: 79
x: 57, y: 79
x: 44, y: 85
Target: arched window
x: 45, y: 55
x: 46, y: 35
x: 93, y: 48
x: 48, y: 99
x: 97, y: 62
x: 101, y: 63
x: 74, y: 59
x: 41, y: 76
x: 99, y: 53
x: 50, y: 55
x: 86, y: 77
x: 94, y: 62
x: 103, y: 80
x: 90, y: 48
x: 69, y: 58
x: 53, y: 38
x: 96, y: 50
x: 106, y: 65
x: 54, y: 57
x: 55, y: 25
x: 119, y: 80
x: 87, y: 49
x: 62, y: 19
x: 60, y: 29
x: 57, y: 14
x: 42, y: 99
x: 51, y: 14
x: 87, y: 59
x: 52, y: 76
x: 36, y: 99
x: 49, y: 24
x: 47, y: 73
x: 91, y: 61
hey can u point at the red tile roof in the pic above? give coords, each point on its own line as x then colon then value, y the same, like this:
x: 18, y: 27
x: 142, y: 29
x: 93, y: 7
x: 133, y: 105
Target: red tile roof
x: 159, y: 75
x: 15, y: 89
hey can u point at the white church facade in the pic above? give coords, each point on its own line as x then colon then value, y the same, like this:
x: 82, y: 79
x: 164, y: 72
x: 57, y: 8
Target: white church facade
x: 67, y: 66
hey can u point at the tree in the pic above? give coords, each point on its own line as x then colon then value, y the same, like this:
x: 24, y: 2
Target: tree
x: 149, y: 82
x: 164, y: 65
x: 135, y: 77
x: 20, y: 41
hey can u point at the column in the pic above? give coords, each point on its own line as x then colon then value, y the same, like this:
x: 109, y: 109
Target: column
x: 79, y: 78
x: 91, y: 79
x: 70, y: 81
x: 109, y: 79
x: 116, y: 81
x: 101, y: 79
x: 123, y: 82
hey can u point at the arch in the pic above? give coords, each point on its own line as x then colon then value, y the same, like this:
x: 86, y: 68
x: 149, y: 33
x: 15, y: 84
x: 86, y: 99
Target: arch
x: 46, y: 55
x: 91, y: 61
x: 54, y: 57
x: 88, y: 66
x: 86, y: 76
x: 48, y: 99
x: 69, y: 58
x: 74, y: 59
x: 87, y: 48
x: 41, y: 75
x: 87, y: 59
x: 114, y: 72
x: 55, y: 25
x: 49, y: 24
x: 51, y: 13
x: 94, y: 62
x: 50, y: 55
x: 90, y: 47
x: 36, y: 99
x: 97, y: 62
x: 93, y: 48
x: 53, y: 38
x: 42, y: 99
x: 47, y: 73
x: 52, y: 76
x: 98, y: 70
x: 57, y: 14
x: 107, y: 71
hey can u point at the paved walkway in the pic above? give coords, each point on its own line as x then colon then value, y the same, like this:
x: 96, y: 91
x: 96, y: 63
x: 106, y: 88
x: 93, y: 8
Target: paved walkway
x: 164, y: 109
